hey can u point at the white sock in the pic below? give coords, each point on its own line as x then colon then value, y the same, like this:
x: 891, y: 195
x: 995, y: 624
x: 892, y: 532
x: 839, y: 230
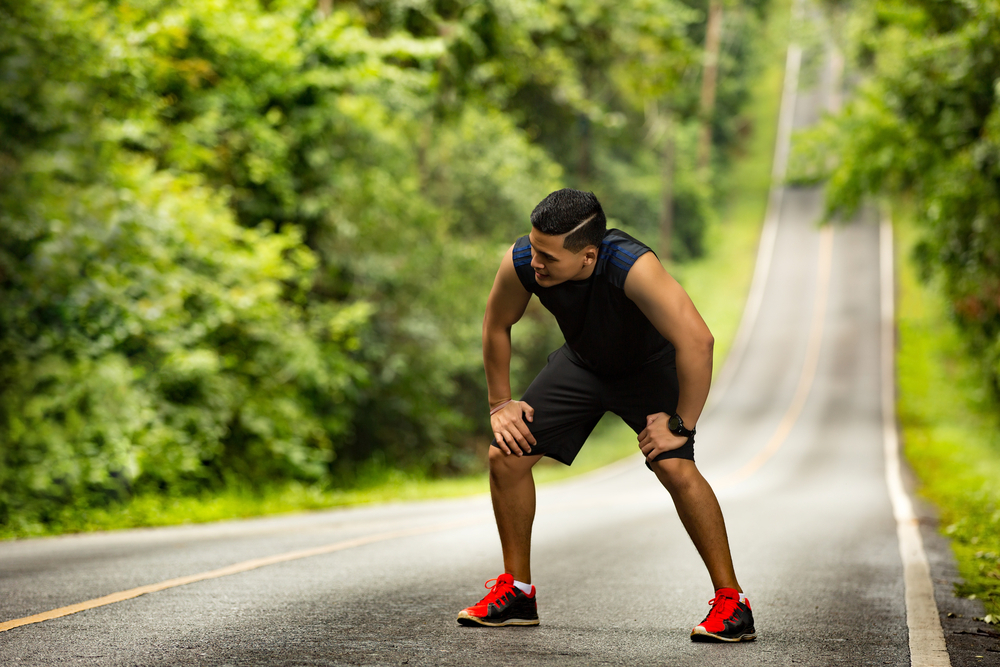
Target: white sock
x: 525, y: 588
x: 743, y: 598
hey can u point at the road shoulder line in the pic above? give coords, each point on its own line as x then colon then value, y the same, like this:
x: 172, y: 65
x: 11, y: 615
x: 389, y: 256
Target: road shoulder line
x: 927, y: 645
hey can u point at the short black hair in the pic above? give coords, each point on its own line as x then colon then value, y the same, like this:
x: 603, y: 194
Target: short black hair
x: 567, y: 210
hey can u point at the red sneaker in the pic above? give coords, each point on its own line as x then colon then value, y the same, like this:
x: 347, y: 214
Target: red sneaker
x: 505, y: 604
x: 729, y: 620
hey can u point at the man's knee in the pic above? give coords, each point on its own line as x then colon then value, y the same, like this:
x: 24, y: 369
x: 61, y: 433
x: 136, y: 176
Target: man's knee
x: 503, y: 466
x: 676, y: 474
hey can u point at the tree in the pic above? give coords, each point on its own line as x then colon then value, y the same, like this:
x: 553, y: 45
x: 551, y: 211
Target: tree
x: 925, y: 124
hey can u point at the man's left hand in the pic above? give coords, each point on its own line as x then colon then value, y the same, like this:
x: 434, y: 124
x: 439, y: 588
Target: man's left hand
x: 656, y: 438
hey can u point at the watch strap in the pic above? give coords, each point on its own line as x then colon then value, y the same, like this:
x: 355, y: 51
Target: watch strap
x: 676, y: 426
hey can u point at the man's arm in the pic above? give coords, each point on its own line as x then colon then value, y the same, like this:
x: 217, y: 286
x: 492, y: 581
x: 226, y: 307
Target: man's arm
x: 504, y: 308
x: 668, y: 307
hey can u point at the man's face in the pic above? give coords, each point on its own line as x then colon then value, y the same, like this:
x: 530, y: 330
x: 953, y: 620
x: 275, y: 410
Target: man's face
x: 554, y: 264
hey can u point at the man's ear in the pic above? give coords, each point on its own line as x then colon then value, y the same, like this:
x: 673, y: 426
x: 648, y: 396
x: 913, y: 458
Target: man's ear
x: 589, y: 255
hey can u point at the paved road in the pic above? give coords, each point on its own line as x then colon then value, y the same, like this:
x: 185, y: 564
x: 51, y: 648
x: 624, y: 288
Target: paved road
x: 811, y: 526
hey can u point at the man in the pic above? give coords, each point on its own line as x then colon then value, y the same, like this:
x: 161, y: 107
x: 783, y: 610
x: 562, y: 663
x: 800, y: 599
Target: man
x: 635, y: 345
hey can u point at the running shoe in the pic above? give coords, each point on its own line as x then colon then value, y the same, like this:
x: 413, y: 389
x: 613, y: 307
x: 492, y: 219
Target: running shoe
x: 729, y: 620
x: 505, y: 604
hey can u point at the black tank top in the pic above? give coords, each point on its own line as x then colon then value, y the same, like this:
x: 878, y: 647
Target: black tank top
x: 605, y: 331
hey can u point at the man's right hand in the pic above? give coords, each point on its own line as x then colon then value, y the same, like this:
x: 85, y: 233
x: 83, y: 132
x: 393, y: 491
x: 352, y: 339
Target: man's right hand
x: 509, y: 429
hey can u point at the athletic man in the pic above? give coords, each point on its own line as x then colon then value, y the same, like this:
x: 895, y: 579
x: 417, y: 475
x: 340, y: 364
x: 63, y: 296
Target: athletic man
x: 635, y: 345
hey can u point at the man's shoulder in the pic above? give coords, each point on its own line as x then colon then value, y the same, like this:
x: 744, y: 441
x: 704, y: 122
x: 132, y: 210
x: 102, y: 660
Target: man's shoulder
x: 521, y: 251
x: 619, y: 252
x: 521, y: 255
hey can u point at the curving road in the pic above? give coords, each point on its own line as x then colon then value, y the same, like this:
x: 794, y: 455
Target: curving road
x: 793, y: 443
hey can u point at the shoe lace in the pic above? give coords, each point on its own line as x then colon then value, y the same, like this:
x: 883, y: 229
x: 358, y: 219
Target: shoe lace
x: 722, y: 606
x: 496, y: 590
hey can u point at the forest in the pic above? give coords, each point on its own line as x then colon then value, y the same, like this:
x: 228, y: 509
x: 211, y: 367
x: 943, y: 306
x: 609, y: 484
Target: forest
x: 250, y: 242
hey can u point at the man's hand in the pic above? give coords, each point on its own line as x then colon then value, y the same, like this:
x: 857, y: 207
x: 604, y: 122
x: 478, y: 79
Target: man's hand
x: 656, y: 438
x: 509, y: 429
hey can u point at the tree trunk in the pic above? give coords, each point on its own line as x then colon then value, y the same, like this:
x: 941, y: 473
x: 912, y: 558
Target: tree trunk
x: 710, y: 73
x: 667, y: 189
x: 423, y: 147
x: 584, y: 166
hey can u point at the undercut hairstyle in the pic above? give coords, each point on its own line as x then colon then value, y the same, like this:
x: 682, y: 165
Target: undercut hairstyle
x: 574, y: 212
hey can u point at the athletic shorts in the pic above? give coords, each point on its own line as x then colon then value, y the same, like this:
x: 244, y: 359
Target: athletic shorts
x: 569, y: 400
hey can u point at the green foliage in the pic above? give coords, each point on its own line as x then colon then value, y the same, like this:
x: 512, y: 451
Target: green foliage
x: 585, y: 79
x: 248, y: 243
x: 926, y: 123
x: 154, y: 342
x: 949, y: 431
x: 148, y: 341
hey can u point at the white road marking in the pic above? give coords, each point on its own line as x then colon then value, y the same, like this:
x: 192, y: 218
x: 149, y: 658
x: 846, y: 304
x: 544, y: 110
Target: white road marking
x: 769, y: 233
x: 927, y: 646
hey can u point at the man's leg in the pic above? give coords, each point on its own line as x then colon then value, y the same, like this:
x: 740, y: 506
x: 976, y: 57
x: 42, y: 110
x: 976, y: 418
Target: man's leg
x: 512, y: 488
x: 730, y: 618
x: 701, y: 515
x: 566, y: 402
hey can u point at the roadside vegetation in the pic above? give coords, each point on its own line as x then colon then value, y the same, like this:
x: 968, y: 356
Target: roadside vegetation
x: 922, y: 128
x: 949, y: 424
x: 244, y: 247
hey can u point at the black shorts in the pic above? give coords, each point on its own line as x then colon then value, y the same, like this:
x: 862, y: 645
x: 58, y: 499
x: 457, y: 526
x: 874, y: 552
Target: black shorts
x: 569, y: 400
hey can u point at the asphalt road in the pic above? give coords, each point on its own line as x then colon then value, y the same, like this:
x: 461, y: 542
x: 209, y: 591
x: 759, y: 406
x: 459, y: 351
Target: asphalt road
x: 793, y: 446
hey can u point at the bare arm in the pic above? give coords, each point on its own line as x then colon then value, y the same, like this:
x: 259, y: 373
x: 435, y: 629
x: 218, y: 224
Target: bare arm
x: 504, y: 308
x: 668, y: 307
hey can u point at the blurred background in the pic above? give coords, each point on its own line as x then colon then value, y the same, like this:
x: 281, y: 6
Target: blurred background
x: 250, y: 242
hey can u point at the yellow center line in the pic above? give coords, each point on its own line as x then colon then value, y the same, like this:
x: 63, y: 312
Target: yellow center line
x: 809, y: 367
x: 236, y: 568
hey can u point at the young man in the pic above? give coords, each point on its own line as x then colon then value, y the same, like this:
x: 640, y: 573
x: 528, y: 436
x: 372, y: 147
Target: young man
x: 635, y: 345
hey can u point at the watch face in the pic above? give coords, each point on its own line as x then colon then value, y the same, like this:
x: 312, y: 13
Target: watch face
x: 674, y: 423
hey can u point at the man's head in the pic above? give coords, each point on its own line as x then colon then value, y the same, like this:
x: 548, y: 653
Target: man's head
x: 567, y: 229
x: 576, y: 214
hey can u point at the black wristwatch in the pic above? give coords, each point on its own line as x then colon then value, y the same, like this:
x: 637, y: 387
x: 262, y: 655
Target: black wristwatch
x: 676, y: 426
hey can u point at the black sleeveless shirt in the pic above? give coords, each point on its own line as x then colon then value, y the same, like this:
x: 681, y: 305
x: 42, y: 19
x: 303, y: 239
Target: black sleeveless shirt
x: 605, y: 331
